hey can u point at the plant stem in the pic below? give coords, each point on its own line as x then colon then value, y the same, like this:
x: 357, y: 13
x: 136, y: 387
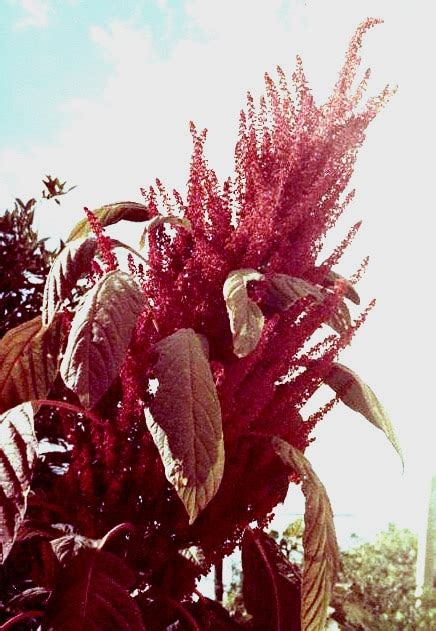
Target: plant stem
x: 20, y: 617
x: 71, y: 408
x: 124, y: 527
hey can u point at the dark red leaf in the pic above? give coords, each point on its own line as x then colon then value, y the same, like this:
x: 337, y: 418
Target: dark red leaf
x: 271, y: 584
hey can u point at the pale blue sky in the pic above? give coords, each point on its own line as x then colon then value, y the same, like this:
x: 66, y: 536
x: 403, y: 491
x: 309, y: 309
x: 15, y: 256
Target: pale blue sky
x: 48, y: 57
x: 100, y: 92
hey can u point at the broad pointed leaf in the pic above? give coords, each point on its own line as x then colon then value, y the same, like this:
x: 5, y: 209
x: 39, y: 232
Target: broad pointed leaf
x: 185, y: 420
x: 285, y: 290
x: 246, y: 318
x: 18, y: 447
x: 100, y: 335
x: 158, y: 220
x: 350, y: 292
x: 321, y: 555
x: 110, y: 214
x: 271, y: 584
x: 28, y: 362
x: 92, y: 595
x: 360, y: 398
x: 73, y: 261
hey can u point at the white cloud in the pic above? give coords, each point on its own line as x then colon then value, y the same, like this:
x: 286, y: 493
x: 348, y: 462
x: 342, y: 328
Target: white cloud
x: 124, y: 44
x: 36, y: 14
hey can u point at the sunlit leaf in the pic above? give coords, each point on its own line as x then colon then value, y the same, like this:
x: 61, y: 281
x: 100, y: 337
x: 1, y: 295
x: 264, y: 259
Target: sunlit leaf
x: 110, y: 214
x: 360, y: 398
x: 350, y: 291
x: 285, y: 290
x: 100, y: 335
x: 28, y: 362
x: 72, y: 263
x: 246, y: 318
x: 321, y: 555
x: 159, y: 220
x: 271, y: 584
x: 67, y: 547
x: 195, y: 555
x: 340, y: 321
x: 185, y: 420
x: 18, y: 454
x: 92, y: 595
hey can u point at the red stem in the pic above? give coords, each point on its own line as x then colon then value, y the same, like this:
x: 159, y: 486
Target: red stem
x: 24, y: 615
x: 124, y: 527
x: 70, y: 407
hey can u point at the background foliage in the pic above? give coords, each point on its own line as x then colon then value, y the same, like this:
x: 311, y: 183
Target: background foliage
x: 25, y: 258
x: 376, y: 583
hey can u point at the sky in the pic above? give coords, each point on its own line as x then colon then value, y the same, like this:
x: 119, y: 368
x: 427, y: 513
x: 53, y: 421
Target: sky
x: 101, y: 93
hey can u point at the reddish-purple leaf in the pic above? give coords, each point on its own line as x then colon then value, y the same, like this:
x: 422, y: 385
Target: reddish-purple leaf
x: 321, y: 554
x: 18, y: 454
x: 271, y: 584
x: 68, y: 267
x: 360, y: 397
x: 92, y: 595
x: 185, y: 420
x: 110, y: 214
x: 28, y: 362
x: 100, y: 335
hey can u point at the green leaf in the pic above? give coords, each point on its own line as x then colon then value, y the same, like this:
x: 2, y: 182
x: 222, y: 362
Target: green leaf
x: 185, y: 420
x: 321, y: 554
x: 110, y: 214
x: 100, y: 335
x: 28, y: 362
x: 294, y: 530
x: 246, y: 318
x: 18, y: 454
x: 72, y: 263
x: 285, y: 290
x: 360, y: 398
x: 350, y: 292
x: 159, y: 220
x: 271, y: 584
x: 92, y: 595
